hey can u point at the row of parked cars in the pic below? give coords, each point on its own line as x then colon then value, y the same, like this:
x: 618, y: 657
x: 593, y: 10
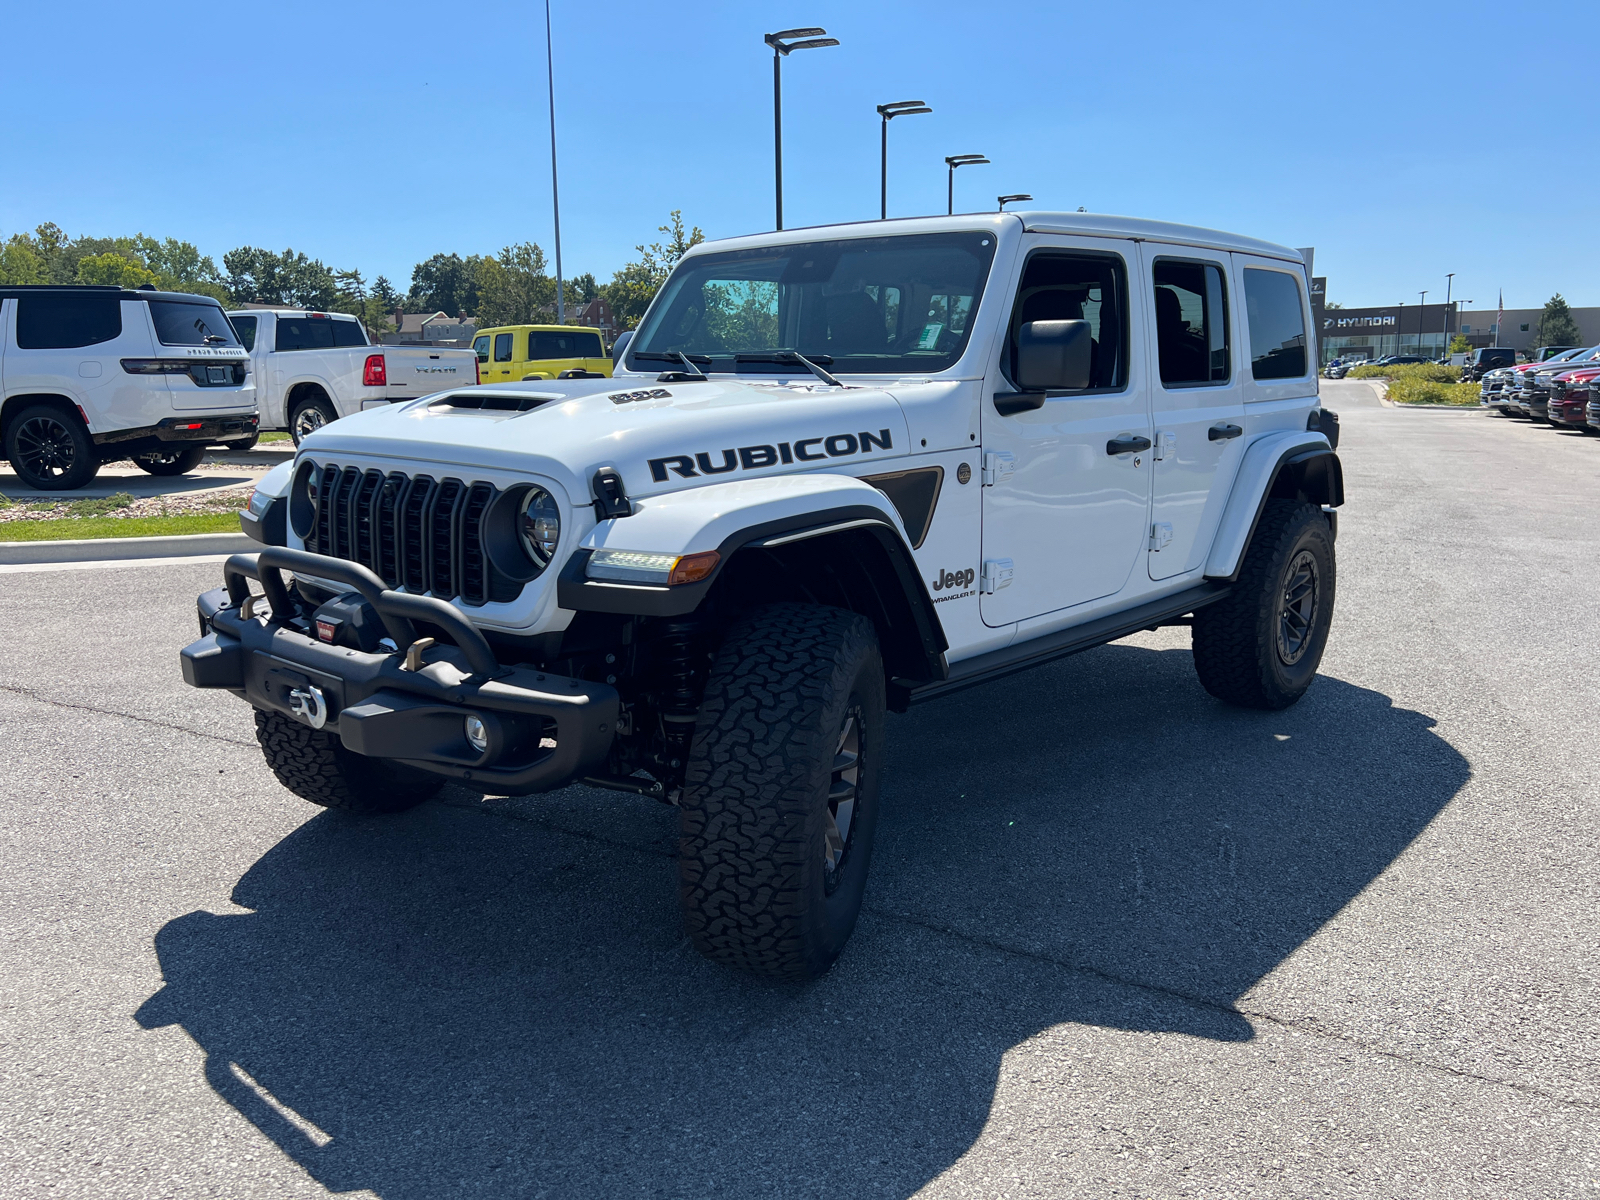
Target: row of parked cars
x: 1558, y: 387
x: 91, y: 375
x: 1340, y: 367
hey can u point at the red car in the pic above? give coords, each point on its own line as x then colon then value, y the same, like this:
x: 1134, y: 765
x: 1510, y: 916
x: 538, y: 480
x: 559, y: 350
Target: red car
x: 1569, y: 397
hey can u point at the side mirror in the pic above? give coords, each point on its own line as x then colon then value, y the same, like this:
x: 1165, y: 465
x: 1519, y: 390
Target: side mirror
x: 1054, y: 356
x: 620, y: 347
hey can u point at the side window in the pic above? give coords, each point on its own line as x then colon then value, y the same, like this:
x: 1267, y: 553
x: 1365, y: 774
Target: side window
x: 1061, y: 286
x: 348, y: 333
x: 502, y: 347
x: 61, y: 320
x: 304, y: 333
x: 246, y: 329
x: 587, y: 345
x: 1277, y: 324
x: 1191, y: 322
x: 480, y: 347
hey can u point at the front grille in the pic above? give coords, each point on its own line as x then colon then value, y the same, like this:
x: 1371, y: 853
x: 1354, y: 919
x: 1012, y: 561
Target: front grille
x: 416, y: 532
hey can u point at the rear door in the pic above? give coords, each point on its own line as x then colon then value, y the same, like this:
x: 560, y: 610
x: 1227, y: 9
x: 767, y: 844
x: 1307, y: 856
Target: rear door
x: 1197, y: 398
x: 502, y: 355
x: 1066, y: 497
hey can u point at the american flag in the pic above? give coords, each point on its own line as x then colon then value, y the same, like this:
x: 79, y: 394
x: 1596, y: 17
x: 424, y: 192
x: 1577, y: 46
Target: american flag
x: 1500, y: 315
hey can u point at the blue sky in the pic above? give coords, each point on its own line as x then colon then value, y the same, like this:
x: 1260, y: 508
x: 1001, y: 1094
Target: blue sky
x: 374, y: 135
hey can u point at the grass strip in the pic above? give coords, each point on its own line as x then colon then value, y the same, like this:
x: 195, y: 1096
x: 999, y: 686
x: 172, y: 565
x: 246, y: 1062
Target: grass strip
x: 68, y: 529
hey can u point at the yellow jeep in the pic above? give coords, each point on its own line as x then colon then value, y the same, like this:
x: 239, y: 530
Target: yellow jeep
x: 509, y: 353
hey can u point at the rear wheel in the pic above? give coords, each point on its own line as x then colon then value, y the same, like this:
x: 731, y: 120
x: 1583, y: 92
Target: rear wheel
x: 314, y: 765
x: 780, y: 799
x: 51, y: 450
x: 1260, y: 646
x: 170, y: 462
x: 310, y: 415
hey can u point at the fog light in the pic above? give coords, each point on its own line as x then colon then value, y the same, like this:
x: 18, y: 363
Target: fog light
x: 477, y: 734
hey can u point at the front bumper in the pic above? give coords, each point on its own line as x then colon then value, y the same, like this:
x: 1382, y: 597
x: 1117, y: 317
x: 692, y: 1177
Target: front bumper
x: 544, y: 730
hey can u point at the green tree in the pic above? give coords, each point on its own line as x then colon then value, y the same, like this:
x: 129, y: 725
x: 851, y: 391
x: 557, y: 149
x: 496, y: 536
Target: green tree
x: 631, y: 289
x: 581, y: 289
x: 1460, y: 344
x: 20, y: 263
x: 445, y: 283
x: 383, y: 291
x: 1556, y: 326
x: 271, y: 278
x: 115, y: 269
x: 515, y: 288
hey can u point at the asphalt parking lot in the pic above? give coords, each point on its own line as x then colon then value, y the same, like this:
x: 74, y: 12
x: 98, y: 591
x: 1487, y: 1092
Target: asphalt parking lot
x: 1120, y: 940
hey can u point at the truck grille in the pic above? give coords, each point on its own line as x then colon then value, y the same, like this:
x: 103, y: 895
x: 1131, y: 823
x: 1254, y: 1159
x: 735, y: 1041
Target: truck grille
x: 413, y: 531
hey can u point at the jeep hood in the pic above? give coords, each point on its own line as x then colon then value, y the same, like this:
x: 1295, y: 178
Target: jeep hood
x: 659, y: 436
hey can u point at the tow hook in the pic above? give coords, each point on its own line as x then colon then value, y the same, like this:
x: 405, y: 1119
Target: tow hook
x: 308, y: 704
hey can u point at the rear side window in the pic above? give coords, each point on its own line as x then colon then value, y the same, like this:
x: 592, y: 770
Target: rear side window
x: 304, y: 333
x: 1277, y: 324
x: 181, y: 324
x: 1079, y: 287
x: 1191, y: 322
x: 502, y: 347
x: 549, y: 344
x: 245, y: 327
x: 348, y: 333
x: 57, y: 320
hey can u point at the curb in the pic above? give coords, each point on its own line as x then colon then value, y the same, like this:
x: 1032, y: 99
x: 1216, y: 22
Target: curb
x: 105, y: 549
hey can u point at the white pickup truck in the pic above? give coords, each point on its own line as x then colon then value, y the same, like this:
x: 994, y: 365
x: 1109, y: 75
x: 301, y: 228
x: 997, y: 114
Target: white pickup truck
x: 311, y: 368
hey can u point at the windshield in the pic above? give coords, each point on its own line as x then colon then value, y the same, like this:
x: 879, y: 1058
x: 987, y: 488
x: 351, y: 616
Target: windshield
x: 181, y: 324
x: 886, y: 305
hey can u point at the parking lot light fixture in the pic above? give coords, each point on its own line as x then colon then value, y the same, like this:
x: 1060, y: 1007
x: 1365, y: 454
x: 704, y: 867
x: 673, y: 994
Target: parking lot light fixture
x: 1449, y: 283
x: 899, y: 108
x: 1005, y: 200
x: 953, y: 161
x: 784, y: 43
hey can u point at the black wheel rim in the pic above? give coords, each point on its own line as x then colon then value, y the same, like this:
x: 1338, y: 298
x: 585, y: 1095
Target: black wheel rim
x: 843, y: 793
x: 1299, y: 608
x: 44, y: 448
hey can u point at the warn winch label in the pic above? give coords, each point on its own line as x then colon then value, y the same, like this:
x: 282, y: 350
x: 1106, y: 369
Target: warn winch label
x: 753, y: 458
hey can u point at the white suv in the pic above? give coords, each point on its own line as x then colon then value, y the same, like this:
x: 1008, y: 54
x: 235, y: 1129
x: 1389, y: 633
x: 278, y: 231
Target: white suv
x: 94, y: 374
x: 843, y: 471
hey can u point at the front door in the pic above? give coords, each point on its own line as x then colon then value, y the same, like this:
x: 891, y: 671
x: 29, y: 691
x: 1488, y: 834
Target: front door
x: 1198, y: 401
x: 1066, y: 497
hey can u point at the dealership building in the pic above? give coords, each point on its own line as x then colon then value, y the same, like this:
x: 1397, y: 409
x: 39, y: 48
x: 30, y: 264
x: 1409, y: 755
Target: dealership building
x: 1427, y: 329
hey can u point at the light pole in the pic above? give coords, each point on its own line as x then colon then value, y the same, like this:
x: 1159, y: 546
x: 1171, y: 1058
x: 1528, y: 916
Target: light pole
x: 782, y: 46
x: 1005, y: 200
x: 953, y: 161
x: 1421, y: 305
x: 555, y: 190
x: 1449, y: 284
x: 900, y: 108
x: 1400, y: 328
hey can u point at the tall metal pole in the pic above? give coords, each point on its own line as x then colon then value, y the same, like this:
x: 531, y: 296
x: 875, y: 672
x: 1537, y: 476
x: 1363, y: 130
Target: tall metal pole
x: 1449, y: 282
x: 1421, y: 305
x: 950, y: 193
x: 883, y: 173
x: 555, y: 190
x: 777, y: 129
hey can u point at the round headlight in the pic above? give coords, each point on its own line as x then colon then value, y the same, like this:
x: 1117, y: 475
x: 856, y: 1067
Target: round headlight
x: 540, y: 526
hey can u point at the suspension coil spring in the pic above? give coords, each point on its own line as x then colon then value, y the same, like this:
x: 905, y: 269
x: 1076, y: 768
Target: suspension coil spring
x: 680, y: 690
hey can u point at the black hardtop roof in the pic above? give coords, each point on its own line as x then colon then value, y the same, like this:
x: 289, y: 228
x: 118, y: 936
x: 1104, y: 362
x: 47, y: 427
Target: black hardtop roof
x: 104, y: 289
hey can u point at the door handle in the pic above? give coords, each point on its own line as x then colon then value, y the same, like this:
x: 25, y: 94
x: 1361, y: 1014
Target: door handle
x: 1221, y: 433
x: 1127, y: 444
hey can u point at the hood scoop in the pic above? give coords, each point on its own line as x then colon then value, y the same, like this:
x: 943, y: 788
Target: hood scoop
x: 467, y: 402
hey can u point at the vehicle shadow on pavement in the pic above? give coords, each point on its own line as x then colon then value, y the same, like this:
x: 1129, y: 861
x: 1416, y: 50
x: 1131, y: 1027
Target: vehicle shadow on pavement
x: 494, y: 998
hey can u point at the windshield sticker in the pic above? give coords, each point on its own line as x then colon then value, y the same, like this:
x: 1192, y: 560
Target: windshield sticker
x: 929, y: 340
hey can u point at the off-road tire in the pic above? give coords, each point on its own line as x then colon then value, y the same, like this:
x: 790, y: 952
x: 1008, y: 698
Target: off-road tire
x: 170, y: 462
x: 754, y: 815
x: 50, y: 450
x: 1237, y: 647
x: 314, y: 765
x: 309, y: 415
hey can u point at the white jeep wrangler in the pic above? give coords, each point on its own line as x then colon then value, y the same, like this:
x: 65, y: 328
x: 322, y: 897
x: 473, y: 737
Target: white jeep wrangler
x: 842, y: 471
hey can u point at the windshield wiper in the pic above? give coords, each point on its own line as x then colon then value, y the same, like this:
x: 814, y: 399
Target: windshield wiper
x: 691, y: 374
x: 792, y: 356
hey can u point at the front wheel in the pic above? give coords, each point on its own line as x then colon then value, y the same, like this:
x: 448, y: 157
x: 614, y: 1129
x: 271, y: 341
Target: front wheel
x: 170, y: 462
x: 50, y: 450
x: 780, y: 798
x: 1260, y: 646
x: 316, y: 766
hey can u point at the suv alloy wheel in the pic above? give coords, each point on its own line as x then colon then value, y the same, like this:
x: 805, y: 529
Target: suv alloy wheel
x: 50, y: 450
